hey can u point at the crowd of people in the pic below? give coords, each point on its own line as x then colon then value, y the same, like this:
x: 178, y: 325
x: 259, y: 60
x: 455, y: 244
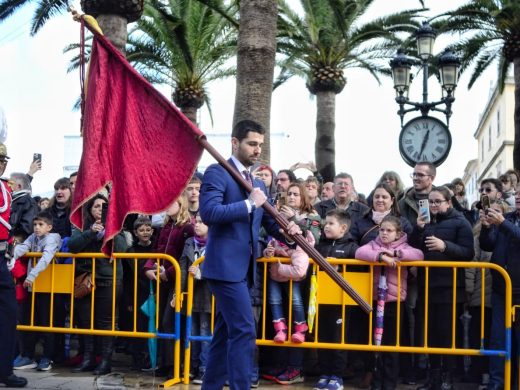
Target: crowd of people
x: 386, y: 227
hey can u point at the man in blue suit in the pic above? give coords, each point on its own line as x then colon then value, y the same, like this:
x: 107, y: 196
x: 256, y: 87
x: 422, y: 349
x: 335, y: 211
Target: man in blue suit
x: 234, y: 219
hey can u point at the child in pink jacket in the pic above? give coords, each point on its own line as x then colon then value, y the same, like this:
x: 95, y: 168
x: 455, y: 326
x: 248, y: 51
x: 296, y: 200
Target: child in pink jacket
x: 279, y: 277
x: 389, y: 247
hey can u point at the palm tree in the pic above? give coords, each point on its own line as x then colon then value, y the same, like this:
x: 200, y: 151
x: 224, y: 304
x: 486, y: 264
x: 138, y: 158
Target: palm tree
x: 490, y: 32
x: 112, y: 15
x: 327, y: 39
x: 183, y: 44
x: 256, y: 53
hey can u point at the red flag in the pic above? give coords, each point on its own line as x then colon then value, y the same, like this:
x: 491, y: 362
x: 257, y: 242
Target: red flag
x: 133, y: 138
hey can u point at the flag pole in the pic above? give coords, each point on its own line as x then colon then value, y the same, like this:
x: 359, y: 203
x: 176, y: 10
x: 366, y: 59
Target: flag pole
x: 283, y: 222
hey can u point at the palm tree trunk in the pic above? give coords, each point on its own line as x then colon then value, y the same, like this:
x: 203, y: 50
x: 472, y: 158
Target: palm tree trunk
x: 516, y: 148
x: 325, y: 125
x: 190, y: 113
x: 255, y: 65
x: 114, y: 28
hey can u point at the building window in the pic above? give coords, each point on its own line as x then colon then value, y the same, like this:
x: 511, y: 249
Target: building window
x: 489, y: 138
x: 482, y: 148
x: 499, y: 168
x: 498, y: 123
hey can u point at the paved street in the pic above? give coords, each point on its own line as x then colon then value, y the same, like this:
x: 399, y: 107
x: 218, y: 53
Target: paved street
x: 121, y: 379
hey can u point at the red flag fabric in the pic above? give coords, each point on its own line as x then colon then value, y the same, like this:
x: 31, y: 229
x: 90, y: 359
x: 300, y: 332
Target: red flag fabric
x: 134, y: 139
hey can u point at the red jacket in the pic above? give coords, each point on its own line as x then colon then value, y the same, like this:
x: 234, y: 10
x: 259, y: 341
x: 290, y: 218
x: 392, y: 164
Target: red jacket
x: 19, y: 273
x: 5, y: 209
x: 171, y: 242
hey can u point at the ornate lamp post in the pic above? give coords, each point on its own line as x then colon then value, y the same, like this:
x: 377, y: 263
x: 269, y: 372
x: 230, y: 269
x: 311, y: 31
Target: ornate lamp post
x: 425, y: 138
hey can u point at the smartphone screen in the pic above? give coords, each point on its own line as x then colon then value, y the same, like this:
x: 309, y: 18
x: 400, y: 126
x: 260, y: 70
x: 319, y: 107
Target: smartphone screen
x: 281, y: 199
x: 485, y: 202
x: 37, y: 157
x: 424, y: 210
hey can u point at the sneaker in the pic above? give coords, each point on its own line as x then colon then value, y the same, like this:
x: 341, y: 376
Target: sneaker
x: 335, y: 383
x: 25, y: 363
x: 272, y: 373
x: 322, y: 383
x: 198, y: 379
x: 289, y: 376
x: 44, y: 365
x: 255, y: 382
x: 17, y: 360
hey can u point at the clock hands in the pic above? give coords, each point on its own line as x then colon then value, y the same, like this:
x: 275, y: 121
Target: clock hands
x: 424, y: 142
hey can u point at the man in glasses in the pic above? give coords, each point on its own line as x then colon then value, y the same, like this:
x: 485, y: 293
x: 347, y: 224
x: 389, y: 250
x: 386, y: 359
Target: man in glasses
x: 283, y: 179
x: 492, y: 188
x: 8, y: 307
x: 423, y: 176
x: 344, y: 199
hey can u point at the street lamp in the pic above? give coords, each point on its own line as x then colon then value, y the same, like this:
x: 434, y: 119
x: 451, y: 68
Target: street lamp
x: 415, y: 139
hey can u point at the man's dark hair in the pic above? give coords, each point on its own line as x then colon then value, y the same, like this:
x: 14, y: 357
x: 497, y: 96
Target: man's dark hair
x: 244, y: 126
x: 497, y: 183
x: 142, y: 221
x: 432, y: 170
x: 44, y: 216
x: 290, y: 174
x: 73, y: 174
x: 342, y: 216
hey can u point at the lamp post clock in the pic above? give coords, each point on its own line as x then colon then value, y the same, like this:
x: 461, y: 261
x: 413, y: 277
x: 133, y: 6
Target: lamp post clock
x: 424, y: 139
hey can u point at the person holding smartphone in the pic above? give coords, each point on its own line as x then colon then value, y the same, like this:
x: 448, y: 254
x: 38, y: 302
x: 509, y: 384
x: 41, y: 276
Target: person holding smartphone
x: 90, y: 240
x: 447, y: 237
x: 500, y: 234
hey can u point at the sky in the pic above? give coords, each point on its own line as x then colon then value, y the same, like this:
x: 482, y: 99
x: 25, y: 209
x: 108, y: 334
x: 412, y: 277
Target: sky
x: 37, y: 96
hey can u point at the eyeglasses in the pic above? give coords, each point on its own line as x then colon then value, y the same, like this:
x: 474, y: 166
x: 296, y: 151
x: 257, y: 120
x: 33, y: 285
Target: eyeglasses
x: 487, y: 190
x: 3, y: 162
x: 418, y: 174
x: 436, y: 202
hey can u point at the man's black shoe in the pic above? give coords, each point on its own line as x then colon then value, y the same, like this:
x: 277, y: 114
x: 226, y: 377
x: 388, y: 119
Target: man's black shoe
x: 14, y: 381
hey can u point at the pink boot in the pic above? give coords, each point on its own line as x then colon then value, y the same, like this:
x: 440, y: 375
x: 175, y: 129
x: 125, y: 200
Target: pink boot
x: 299, y: 330
x: 281, y: 331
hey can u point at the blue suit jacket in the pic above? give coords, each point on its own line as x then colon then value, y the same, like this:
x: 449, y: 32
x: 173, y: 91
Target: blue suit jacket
x: 233, y: 232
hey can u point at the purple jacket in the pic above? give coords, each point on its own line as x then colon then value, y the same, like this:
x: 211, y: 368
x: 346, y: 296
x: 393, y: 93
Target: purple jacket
x: 370, y: 252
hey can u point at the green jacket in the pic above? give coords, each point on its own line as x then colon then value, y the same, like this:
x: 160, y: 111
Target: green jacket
x: 87, y: 242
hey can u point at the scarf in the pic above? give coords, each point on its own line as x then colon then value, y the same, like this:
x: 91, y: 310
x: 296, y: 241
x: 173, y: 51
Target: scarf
x: 377, y: 216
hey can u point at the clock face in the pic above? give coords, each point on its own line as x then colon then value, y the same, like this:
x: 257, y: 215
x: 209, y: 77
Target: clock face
x: 424, y: 139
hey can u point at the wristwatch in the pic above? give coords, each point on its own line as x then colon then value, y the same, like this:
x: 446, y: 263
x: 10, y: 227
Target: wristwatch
x: 252, y: 204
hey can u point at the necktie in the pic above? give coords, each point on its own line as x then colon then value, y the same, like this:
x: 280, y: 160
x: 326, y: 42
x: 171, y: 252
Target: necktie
x: 248, y: 177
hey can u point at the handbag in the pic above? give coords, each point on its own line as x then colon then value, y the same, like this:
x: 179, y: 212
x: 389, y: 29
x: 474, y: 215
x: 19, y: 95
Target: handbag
x: 83, y: 285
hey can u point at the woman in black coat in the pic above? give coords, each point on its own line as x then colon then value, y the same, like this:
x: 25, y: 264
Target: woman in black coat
x: 448, y: 237
x: 365, y: 229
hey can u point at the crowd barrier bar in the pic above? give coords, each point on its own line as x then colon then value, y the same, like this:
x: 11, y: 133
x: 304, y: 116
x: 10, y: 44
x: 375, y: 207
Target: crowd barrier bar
x: 59, y: 279
x: 365, y: 289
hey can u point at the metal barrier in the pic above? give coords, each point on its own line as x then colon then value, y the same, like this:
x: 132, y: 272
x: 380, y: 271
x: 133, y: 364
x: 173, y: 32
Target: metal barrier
x: 329, y: 293
x: 59, y: 279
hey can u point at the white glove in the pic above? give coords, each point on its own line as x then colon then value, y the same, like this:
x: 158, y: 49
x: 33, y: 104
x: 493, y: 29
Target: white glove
x: 10, y: 264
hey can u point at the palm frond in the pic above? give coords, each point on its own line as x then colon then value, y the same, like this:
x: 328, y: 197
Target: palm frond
x: 9, y: 7
x: 45, y: 10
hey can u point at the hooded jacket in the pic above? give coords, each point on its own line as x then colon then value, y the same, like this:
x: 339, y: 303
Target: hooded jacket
x: 370, y: 252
